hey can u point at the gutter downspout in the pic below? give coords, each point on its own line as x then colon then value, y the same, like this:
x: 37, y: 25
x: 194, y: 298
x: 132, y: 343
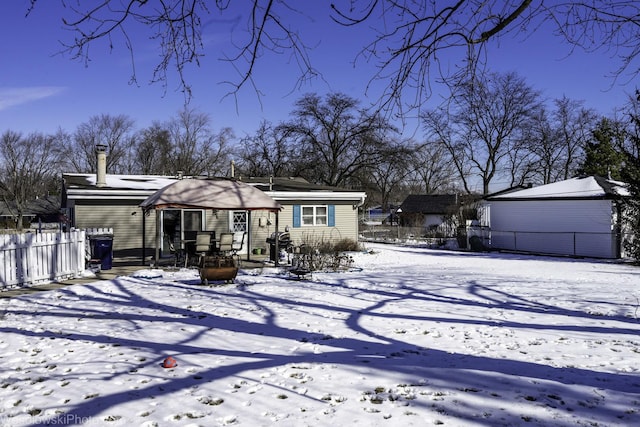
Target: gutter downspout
x: 618, y: 228
x: 356, y: 207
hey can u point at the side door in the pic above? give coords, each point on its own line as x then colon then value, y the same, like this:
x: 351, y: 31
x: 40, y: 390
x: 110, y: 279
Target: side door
x: 238, y: 224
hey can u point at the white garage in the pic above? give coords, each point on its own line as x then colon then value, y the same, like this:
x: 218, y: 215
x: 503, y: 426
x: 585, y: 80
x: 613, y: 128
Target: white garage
x: 576, y: 217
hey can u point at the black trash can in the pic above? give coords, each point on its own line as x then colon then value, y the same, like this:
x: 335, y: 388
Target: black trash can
x: 102, y: 249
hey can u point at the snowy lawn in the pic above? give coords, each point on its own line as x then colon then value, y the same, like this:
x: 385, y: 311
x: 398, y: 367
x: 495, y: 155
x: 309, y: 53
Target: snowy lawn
x: 416, y: 337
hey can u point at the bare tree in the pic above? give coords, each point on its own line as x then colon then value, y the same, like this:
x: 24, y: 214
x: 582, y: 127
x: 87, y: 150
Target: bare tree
x: 384, y: 180
x: 28, y: 169
x: 540, y: 152
x: 431, y: 170
x: 268, y: 152
x: 115, y: 132
x: 197, y: 150
x: 336, y: 140
x: 554, y: 143
x: 486, y: 122
x: 408, y: 38
x: 573, y: 124
x: 153, y: 150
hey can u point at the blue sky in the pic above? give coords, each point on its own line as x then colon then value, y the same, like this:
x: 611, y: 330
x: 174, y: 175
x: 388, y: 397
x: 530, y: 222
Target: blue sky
x: 41, y: 90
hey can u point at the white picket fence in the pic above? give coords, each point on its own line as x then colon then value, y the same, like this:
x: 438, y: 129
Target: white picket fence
x: 30, y: 258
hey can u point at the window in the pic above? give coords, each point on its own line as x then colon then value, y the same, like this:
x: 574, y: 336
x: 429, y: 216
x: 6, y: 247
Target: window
x: 238, y: 221
x: 193, y: 219
x: 314, y: 215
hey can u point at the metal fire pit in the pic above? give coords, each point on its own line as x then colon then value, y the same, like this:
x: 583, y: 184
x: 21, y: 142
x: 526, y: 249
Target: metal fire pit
x: 217, y: 268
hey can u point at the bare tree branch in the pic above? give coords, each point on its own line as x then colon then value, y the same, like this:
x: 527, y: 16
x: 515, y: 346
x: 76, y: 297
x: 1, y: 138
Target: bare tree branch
x: 408, y: 44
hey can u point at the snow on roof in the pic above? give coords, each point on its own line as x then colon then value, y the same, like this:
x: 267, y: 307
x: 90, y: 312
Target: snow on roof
x: 130, y: 182
x: 574, y: 188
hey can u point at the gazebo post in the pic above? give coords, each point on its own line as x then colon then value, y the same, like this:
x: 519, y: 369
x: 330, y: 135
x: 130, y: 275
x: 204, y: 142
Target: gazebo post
x: 249, y: 240
x: 277, y: 254
x: 158, y: 237
x: 144, y: 237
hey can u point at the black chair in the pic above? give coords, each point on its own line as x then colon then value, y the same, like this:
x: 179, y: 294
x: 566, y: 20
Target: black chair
x: 189, y: 246
x: 176, y: 253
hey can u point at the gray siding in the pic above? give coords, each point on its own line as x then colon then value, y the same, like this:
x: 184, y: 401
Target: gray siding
x: 565, y: 227
x: 346, y: 225
x: 125, y: 217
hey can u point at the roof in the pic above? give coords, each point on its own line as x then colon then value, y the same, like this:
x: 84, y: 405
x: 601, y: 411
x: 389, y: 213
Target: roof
x: 590, y: 187
x: 291, y: 184
x: 41, y: 207
x: 223, y: 194
x: 430, y: 203
x: 139, y: 187
x: 509, y: 190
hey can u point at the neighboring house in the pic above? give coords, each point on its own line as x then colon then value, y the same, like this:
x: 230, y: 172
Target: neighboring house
x: 576, y: 217
x: 42, y: 212
x: 376, y: 215
x: 434, y: 212
x: 310, y: 212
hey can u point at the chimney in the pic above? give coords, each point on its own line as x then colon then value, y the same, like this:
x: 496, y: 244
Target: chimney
x: 101, y: 173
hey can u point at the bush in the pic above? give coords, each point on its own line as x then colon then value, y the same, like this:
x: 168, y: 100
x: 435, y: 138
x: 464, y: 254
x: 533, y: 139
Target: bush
x: 346, y: 245
x: 325, y: 255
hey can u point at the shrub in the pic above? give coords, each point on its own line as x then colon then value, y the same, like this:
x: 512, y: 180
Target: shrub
x: 346, y: 245
x: 320, y: 254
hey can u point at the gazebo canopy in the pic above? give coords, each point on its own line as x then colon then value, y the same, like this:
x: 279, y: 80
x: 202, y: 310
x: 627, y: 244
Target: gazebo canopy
x: 217, y: 194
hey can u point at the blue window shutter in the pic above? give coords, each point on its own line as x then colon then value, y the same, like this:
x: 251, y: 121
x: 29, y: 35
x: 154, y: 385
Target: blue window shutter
x: 296, y: 216
x: 331, y: 221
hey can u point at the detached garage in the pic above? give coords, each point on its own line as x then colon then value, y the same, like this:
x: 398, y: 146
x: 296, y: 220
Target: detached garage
x: 576, y: 217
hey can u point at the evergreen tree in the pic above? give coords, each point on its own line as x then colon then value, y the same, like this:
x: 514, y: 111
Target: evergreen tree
x: 603, y: 154
x: 631, y: 175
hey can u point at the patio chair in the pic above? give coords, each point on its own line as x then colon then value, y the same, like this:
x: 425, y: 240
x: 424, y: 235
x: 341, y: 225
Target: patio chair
x: 226, y: 243
x: 204, y: 242
x: 237, y: 244
x: 189, y: 246
x: 176, y: 253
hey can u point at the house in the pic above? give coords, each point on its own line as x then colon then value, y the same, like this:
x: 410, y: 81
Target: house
x: 576, y: 217
x: 310, y: 212
x: 434, y: 212
x: 42, y: 212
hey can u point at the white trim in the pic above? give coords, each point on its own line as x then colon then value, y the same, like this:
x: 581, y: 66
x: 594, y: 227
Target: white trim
x: 77, y: 194
x: 314, y: 215
x: 84, y: 194
x: 317, y: 195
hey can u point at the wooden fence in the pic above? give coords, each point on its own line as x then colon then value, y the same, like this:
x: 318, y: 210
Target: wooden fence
x: 30, y: 258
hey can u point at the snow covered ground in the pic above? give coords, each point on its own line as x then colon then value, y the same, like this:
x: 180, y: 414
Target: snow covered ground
x: 412, y: 337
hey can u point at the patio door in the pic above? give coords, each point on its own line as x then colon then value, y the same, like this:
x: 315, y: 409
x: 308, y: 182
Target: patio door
x: 171, y: 226
x: 177, y: 222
